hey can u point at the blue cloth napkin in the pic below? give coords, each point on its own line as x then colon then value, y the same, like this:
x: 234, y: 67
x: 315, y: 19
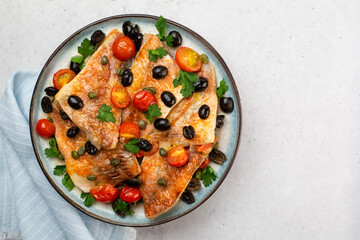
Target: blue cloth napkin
x: 30, y: 208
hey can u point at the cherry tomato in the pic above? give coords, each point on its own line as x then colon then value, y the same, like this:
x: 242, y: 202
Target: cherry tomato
x: 143, y: 99
x: 139, y: 154
x: 129, y: 130
x: 120, y: 97
x: 123, y: 48
x: 105, y: 193
x: 187, y: 59
x: 45, y: 128
x: 205, y: 163
x: 206, y: 148
x: 177, y: 156
x: 130, y: 194
x: 62, y: 77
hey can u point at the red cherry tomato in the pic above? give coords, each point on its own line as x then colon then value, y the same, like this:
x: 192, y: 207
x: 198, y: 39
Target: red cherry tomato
x: 205, y: 163
x: 123, y: 48
x: 143, y: 99
x: 62, y: 77
x: 129, y: 130
x: 105, y: 193
x: 139, y: 154
x: 45, y: 128
x: 120, y: 97
x: 130, y: 194
x: 187, y: 59
x: 177, y: 156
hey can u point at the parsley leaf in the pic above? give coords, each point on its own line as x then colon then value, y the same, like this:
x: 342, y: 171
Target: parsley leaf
x: 59, y: 170
x: 132, y: 146
x: 77, y: 59
x: 86, y: 49
x: 67, y: 182
x: 221, y: 90
x: 153, y: 111
x: 53, y: 150
x: 89, y: 199
x: 105, y: 114
x: 169, y: 39
x: 154, y: 55
x: 208, y: 175
x: 124, y: 207
x: 187, y: 80
x: 161, y: 27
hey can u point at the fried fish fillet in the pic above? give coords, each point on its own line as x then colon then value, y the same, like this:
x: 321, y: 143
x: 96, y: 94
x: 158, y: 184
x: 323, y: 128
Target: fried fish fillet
x: 98, y: 165
x: 100, y: 79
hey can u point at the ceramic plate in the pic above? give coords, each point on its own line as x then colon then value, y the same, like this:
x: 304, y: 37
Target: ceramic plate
x: 229, y: 134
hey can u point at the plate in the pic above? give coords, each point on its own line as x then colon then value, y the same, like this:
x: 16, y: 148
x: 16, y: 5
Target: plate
x: 229, y: 135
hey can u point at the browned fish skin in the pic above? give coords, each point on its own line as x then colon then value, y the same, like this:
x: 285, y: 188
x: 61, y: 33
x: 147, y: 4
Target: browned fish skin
x: 100, y: 79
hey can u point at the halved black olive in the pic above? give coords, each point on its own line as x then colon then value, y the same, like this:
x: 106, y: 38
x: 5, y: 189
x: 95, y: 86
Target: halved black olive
x: 138, y: 40
x: 90, y: 149
x: 168, y: 98
x: 201, y: 85
x: 75, y: 102
x: 51, y: 91
x: 72, y: 132
x: 189, y: 132
x: 204, y: 111
x: 226, y: 104
x: 133, y: 182
x: 97, y: 36
x: 177, y: 39
x: 159, y: 72
x: 144, y: 145
x: 63, y: 115
x: 75, y: 67
x: 128, y: 29
x: 162, y: 124
x: 126, y: 78
x: 140, y: 159
x: 193, y: 185
x: 220, y: 121
x: 46, y: 105
x: 187, y: 197
x: 217, y: 156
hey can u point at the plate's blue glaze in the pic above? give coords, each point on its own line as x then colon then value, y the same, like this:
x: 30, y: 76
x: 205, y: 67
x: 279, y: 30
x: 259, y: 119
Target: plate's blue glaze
x: 229, y: 134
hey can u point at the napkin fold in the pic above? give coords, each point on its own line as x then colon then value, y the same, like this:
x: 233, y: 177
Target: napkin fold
x: 30, y: 208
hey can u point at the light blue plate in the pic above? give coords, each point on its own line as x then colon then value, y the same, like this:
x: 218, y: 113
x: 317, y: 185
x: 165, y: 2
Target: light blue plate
x: 228, y: 136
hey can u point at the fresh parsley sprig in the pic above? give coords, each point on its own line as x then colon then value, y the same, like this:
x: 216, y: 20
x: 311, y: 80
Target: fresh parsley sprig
x: 85, y: 49
x: 67, y: 182
x: 122, y: 206
x: 186, y: 80
x: 208, y: 175
x: 88, y: 199
x: 53, y: 151
x: 153, y: 111
x: 221, y: 90
x: 132, y: 146
x: 105, y: 114
x: 155, y: 54
x: 59, y: 170
x: 161, y: 27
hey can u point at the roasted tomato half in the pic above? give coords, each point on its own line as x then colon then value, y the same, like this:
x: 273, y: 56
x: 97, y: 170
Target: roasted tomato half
x: 177, y: 156
x: 62, y: 77
x: 143, y: 99
x: 129, y: 130
x: 123, y: 48
x: 130, y: 194
x: 105, y: 193
x: 120, y: 97
x: 205, y: 163
x: 187, y: 59
x: 45, y: 128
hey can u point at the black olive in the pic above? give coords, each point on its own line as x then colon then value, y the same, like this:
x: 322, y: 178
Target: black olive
x: 128, y: 29
x: 193, y: 185
x: 138, y: 40
x: 204, y: 111
x: 140, y: 159
x: 162, y: 124
x: 72, y: 132
x: 226, y: 104
x: 201, y: 85
x: 220, y: 121
x: 51, y: 91
x: 46, y: 105
x: 177, y: 39
x: 144, y: 145
x: 189, y: 132
x: 90, y: 149
x: 75, y: 102
x: 75, y: 67
x: 159, y: 72
x: 126, y: 78
x: 63, y: 115
x: 118, y: 212
x: 97, y: 36
x: 187, y: 197
x: 133, y: 182
x: 137, y: 28
x: 168, y: 98
x: 217, y: 156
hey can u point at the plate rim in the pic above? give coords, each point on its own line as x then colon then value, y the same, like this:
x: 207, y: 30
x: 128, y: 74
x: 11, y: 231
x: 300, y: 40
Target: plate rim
x: 209, y: 47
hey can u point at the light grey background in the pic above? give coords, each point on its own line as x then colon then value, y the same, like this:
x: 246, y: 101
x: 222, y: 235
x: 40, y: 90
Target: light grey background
x: 297, y: 67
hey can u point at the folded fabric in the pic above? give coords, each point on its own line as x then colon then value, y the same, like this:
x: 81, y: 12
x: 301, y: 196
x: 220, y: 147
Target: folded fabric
x: 30, y: 208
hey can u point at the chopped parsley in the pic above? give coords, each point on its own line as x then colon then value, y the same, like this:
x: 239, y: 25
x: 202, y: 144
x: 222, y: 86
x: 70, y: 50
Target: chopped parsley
x: 186, y: 80
x: 153, y: 112
x: 221, y: 90
x: 105, y: 114
x: 155, y: 54
x: 169, y: 39
x: 85, y: 49
x: 89, y: 199
x: 59, y: 170
x: 132, y: 146
x: 53, y: 151
x: 67, y: 182
x: 122, y: 206
x: 208, y: 175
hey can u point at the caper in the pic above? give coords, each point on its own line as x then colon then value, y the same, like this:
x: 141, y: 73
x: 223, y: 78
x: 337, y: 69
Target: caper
x: 114, y: 162
x: 161, y: 181
x: 216, y: 146
x: 142, y: 124
x: 75, y: 154
x: 81, y: 150
x: 104, y: 60
x: 92, y: 95
x: 151, y: 90
x: 198, y: 174
x: 162, y: 152
x: 91, y: 177
x: 204, y: 58
x: 50, y: 119
x: 119, y: 71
